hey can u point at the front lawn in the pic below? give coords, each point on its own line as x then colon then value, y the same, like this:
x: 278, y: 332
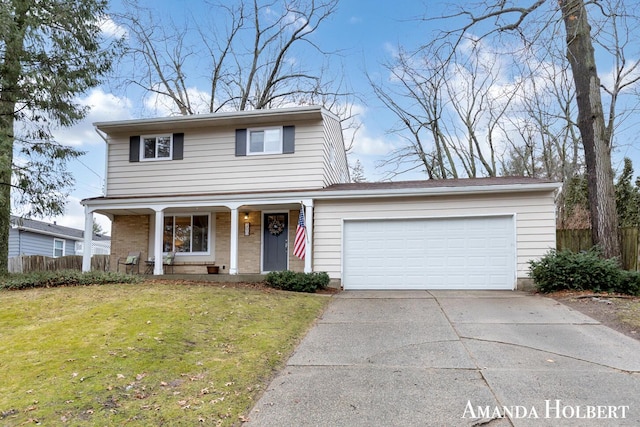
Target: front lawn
x: 144, y: 354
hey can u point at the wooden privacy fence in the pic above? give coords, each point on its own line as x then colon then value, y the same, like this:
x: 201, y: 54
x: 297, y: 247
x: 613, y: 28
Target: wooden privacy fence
x: 33, y: 263
x: 580, y: 240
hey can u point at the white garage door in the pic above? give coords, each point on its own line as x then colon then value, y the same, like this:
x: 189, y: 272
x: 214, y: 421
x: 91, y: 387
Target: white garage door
x: 446, y: 253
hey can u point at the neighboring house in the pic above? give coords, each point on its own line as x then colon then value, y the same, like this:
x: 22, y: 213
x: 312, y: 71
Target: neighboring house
x: 31, y: 237
x: 226, y: 188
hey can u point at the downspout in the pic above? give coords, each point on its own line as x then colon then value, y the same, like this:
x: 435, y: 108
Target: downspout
x: 106, y: 162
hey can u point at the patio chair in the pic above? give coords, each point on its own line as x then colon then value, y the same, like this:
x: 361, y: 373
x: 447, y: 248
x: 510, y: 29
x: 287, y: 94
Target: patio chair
x: 131, y: 262
x: 168, y: 261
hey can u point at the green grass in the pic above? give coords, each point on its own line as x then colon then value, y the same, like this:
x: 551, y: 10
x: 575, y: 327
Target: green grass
x: 143, y: 354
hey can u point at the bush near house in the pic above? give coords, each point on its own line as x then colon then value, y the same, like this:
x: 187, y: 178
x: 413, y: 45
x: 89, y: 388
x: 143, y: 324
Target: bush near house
x: 297, y: 282
x: 52, y: 279
x: 585, y: 270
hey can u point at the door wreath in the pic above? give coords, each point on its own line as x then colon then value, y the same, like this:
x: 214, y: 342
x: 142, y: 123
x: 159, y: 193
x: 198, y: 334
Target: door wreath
x: 275, y: 227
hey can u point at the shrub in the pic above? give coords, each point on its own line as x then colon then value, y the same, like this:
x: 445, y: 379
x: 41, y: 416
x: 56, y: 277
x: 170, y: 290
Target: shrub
x: 587, y: 270
x: 629, y: 283
x: 50, y: 279
x: 298, y: 282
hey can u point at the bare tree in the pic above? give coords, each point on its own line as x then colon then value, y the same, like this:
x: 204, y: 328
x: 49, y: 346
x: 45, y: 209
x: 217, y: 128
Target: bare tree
x: 449, y: 112
x: 249, y: 55
x: 428, y: 144
x: 543, y: 138
x: 595, y: 138
x: 536, y: 142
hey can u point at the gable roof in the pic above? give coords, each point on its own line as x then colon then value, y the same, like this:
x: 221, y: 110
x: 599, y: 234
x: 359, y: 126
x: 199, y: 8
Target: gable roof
x: 54, y: 229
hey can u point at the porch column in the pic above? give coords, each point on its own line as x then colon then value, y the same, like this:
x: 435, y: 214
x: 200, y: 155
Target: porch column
x: 233, y: 258
x: 308, y: 216
x: 88, y: 238
x: 157, y: 243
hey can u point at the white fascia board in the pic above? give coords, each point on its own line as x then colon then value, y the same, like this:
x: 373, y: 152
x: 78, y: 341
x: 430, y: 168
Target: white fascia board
x: 440, y: 191
x: 230, y: 201
x: 212, y: 118
x: 306, y: 197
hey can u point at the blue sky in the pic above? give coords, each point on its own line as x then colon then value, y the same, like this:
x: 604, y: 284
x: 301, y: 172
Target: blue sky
x: 365, y: 32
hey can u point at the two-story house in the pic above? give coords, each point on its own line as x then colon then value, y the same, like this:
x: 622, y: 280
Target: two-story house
x: 227, y: 188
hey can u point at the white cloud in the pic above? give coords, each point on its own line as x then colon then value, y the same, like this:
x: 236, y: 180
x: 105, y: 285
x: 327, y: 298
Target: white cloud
x: 111, y: 29
x: 104, y: 107
x: 364, y: 141
x: 74, y: 217
x: 161, y: 105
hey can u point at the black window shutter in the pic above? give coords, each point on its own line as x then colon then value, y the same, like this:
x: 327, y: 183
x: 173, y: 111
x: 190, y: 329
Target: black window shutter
x: 241, y: 142
x: 134, y: 148
x: 288, y: 139
x: 178, y: 146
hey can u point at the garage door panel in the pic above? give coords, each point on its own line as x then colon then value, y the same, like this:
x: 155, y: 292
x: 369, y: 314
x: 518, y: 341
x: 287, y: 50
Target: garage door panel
x: 446, y: 253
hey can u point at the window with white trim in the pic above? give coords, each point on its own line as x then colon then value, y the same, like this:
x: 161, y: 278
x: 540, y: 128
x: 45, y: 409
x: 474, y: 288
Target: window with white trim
x: 156, y: 147
x: 264, y: 141
x: 186, y: 233
x: 58, y: 248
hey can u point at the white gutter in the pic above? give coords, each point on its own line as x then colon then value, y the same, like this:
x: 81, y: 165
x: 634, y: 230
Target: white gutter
x: 106, y: 156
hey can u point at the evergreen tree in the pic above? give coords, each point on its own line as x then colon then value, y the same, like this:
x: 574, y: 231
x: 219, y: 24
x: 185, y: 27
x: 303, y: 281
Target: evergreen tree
x: 627, y: 197
x: 50, y: 52
x: 357, y: 172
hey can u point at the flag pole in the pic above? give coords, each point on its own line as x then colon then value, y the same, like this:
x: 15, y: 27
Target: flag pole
x: 304, y: 214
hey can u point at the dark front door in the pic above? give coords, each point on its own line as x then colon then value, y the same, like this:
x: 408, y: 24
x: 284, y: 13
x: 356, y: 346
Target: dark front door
x: 276, y: 235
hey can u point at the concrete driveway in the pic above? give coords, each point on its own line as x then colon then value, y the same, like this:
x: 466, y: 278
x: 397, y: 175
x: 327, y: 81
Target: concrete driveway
x: 455, y: 358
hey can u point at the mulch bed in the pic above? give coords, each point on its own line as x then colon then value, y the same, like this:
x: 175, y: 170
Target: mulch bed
x: 603, y: 307
x: 261, y: 286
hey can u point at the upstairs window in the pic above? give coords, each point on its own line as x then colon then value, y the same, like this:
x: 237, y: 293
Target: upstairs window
x: 156, y: 147
x: 264, y: 141
x: 273, y: 140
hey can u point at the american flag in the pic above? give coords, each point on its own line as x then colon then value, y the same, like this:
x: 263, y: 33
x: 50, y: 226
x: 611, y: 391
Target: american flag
x: 300, y: 246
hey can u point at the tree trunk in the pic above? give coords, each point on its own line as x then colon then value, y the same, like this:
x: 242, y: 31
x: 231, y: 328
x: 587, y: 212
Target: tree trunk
x: 6, y: 160
x: 580, y: 52
x: 10, y: 71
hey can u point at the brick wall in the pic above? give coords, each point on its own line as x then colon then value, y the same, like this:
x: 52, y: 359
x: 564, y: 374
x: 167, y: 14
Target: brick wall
x: 223, y: 242
x: 249, y: 247
x: 129, y: 233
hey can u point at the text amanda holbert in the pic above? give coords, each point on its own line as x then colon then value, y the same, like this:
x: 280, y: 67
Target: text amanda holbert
x: 551, y: 409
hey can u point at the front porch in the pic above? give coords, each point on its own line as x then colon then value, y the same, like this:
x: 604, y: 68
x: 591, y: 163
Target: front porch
x: 239, y: 238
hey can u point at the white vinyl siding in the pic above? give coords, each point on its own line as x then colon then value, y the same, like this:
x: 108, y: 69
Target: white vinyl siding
x: 534, y: 215
x: 335, y: 159
x: 211, y: 166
